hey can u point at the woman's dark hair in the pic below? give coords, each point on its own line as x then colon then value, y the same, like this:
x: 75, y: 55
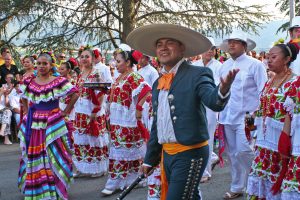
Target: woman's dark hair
x: 30, y: 58
x: 128, y: 55
x: 290, y: 50
x: 68, y: 65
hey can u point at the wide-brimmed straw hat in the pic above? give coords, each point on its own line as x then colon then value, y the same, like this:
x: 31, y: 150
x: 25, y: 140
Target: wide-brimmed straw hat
x: 144, y: 39
x: 241, y: 37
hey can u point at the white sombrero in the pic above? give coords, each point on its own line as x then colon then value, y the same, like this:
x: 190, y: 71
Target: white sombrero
x: 144, y: 39
x: 295, y: 22
x: 238, y: 36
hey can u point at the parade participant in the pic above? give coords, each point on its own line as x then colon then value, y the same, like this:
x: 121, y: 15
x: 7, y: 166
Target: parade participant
x: 91, y: 136
x: 209, y: 61
x: 294, y: 32
x: 61, y: 57
x: 102, y: 68
x: 65, y: 70
x: 28, y: 65
x: 147, y: 71
x: 127, y: 97
x: 270, y: 120
x: 179, y: 135
x: 244, y: 98
x: 289, y: 145
x: 45, y: 168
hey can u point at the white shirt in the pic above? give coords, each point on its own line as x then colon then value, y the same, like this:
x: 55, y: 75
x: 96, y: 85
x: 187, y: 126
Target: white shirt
x: 165, y: 129
x: 214, y: 65
x: 149, y: 73
x: 245, y: 89
x: 295, y: 66
x: 14, y: 99
x: 104, y: 72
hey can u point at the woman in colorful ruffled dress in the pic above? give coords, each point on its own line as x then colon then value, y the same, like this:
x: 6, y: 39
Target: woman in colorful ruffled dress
x: 291, y: 184
x: 91, y: 135
x: 128, y: 134
x: 46, y: 165
x: 267, y: 168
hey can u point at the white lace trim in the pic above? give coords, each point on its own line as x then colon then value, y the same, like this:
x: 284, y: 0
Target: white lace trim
x: 290, y: 195
x: 270, y: 138
x: 122, y: 116
x: 289, y: 105
x: 295, y: 133
x: 127, y: 154
x: 138, y: 90
x: 84, y: 139
x: 119, y: 183
x: 261, y: 187
x: 152, y: 180
x: 91, y: 168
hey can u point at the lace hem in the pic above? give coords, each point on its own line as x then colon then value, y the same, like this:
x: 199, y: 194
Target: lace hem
x: 84, y: 139
x: 91, y: 168
x: 122, y: 115
x: 289, y: 105
x: 261, y: 188
x: 127, y: 154
x: 114, y: 184
x: 290, y: 195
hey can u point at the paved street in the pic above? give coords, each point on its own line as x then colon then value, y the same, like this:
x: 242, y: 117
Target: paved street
x: 89, y: 188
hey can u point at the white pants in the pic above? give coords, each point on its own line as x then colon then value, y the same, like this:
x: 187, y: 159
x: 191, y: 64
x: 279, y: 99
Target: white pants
x: 211, y: 126
x: 240, y: 156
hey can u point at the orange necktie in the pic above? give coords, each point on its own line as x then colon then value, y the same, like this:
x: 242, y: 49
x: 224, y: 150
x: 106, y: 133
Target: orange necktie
x: 165, y: 81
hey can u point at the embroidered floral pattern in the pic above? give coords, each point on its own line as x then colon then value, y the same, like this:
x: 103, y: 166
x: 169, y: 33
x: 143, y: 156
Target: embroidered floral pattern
x: 122, y: 89
x: 82, y: 121
x: 125, y: 137
x: 266, y: 164
x: 90, y: 154
x: 121, y: 169
x: 154, y: 191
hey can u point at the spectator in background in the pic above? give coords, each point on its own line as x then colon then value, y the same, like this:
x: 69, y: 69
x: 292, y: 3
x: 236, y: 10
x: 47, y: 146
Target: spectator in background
x: 28, y: 65
x: 148, y: 72
x: 61, y: 57
x: 4, y: 51
x: 294, y: 32
x: 8, y: 68
x: 5, y: 116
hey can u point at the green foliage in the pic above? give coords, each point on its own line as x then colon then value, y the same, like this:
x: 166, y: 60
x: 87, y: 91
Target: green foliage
x: 60, y: 24
x: 284, y: 7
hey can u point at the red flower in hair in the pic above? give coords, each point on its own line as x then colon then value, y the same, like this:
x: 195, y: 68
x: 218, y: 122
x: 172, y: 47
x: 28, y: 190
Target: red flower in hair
x: 137, y: 55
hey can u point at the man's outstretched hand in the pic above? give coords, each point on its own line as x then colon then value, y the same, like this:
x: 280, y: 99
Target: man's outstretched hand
x: 227, y: 81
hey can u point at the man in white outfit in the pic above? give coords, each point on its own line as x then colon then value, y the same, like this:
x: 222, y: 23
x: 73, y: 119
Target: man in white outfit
x: 102, y: 69
x: 148, y: 72
x: 209, y: 61
x: 294, y: 31
x: 245, y: 92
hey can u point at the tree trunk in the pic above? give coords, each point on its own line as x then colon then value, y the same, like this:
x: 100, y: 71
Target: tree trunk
x: 128, y: 21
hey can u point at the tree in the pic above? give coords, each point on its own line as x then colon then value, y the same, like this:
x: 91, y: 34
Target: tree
x: 60, y: 24
x: 284, y: 7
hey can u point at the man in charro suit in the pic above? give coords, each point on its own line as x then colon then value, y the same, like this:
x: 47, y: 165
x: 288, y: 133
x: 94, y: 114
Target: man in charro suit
x: 179, y: 136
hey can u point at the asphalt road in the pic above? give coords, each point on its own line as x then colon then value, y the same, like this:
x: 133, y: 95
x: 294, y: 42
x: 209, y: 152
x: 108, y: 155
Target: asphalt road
x: 89, y: 188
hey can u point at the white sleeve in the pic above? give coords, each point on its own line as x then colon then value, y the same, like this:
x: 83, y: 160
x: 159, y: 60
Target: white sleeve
x: 154, y: 76
x: 108, y: 77
x: 260, y: 76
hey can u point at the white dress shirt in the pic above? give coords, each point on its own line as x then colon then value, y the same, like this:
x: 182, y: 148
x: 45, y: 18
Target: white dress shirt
x: 295, y: 66
x: 245, y: 89
x: 165, y: 129
x: 214, y: 65
x: 104, y: 72
x: 149, y: 73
